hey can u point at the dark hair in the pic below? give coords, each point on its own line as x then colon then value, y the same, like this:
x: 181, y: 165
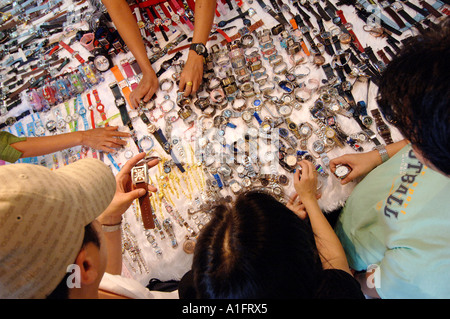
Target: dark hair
x: 256, y: 249
x: 414, y: 93
x: 90, y: 236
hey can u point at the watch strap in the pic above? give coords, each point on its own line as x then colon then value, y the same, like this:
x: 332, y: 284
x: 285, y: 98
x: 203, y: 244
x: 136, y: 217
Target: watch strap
x: 145, y: 207
x: 121, y: 82
x: 395, y: 16
x: 71, y: 51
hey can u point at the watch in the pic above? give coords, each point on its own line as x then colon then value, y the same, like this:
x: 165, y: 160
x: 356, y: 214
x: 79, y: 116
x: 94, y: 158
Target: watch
x: 342, y: 171
x: 293, y: 128
x: 199, y: 48
x: 139, y: 177
x: 382, y: 127
x: 122, y: 82
x: 101, y: 60
x: 157, y: 132
x: 120, y: 103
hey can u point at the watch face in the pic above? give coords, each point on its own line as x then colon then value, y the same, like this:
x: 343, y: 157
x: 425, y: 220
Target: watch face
x: 247, y: 116
x: 82, y: 111
x: 305, y: 130
x: 283, y: 132
x: 292, y: 126
x: 120, y: 101
x: 51, y: 125
x: 102, y: 63
x: 318, y: 146
x: 40, y: 130
x: 285, y: 110
x: 330, y: 133
x: 139, y: 174
x: 342, y: 171
x: 319, y: 59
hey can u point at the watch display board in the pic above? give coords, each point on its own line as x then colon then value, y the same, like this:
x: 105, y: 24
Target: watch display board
x: 280, y: 84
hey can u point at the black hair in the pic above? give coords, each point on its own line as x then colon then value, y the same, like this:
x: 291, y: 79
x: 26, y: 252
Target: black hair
x: 90, y: 236
x: 256, y: 249
x: 414, y: 93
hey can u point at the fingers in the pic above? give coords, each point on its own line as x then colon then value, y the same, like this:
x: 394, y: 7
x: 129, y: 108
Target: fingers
x: 134, y: 99
x: 149, y: 95
x: 132, y: 162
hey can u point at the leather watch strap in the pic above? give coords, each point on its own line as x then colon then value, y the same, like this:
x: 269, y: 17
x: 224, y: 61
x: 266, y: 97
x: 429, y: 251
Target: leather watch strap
x: 139, y: 177
x: 146, y: 207
x: 251, y: 28
x: 430, y: 9
x: 395, y: 16
x: 71, y: 51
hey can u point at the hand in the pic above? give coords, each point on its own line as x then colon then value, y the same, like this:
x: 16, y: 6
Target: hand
x: 361, y: 164
x: 296, y: 205
x: 104, y: 138
x: 192, y: 72
x: 305, y: 181
x: 124, y: 196
x: 147, y: 87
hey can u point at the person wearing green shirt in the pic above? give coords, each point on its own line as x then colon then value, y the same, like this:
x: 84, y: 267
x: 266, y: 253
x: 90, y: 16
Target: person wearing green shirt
x: 394, y: 226
x: 105, y: 139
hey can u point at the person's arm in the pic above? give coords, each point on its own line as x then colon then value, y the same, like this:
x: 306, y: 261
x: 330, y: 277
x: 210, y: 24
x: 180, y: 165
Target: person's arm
x: 103, y: 139
x: 193, y: 69
x: 330, y: 248
x: 362, y: 164
x: 126, y: 24
x: 113, y: 213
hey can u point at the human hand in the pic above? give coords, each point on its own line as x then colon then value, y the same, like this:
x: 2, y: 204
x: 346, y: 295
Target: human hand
x: 104, y: 138
x: 305, y: 181
x: 192, y: 73
x: 145, y: 90
x: 296, y: 205
x: 361, y: 164
x: 124, y: 195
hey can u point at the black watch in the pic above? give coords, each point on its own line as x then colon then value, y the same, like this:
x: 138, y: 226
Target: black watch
x: 102, y: 61
x: 199, y: 48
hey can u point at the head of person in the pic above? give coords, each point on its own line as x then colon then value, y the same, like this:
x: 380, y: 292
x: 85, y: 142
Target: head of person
x: 257, y: 248
x: 414, y: 95
x: 50, y: 243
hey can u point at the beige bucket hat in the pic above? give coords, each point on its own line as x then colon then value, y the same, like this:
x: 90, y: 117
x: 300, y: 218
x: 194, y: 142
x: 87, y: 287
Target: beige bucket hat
x: 42, y: 218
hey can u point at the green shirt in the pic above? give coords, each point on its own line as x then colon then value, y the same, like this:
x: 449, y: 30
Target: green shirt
x: 397, y: 221
x: 7, y: 152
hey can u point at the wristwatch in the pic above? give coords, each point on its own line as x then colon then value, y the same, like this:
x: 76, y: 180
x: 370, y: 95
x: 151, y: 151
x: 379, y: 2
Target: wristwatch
x: 382, y: 127
x: 139, y: 177
x: 120, y: 103
x: 162, y: 140
x: 342, y: 171
x: 102, y: 61
x: 199, y: 48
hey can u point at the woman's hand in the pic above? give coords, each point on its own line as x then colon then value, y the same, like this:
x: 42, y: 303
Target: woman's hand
x: 124, y: 196
x: 296, y: 205
x: 145, y: 90
x: 305, y: 181
x: 361, y: 164
x: 105, y: 139
x: 192, y: 75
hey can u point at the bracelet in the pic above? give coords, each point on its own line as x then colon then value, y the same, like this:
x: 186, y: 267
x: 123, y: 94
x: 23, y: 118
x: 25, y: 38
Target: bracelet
x: 112, y: 228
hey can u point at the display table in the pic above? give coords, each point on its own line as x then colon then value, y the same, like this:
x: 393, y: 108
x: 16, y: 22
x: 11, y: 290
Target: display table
x: 289, y: 102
